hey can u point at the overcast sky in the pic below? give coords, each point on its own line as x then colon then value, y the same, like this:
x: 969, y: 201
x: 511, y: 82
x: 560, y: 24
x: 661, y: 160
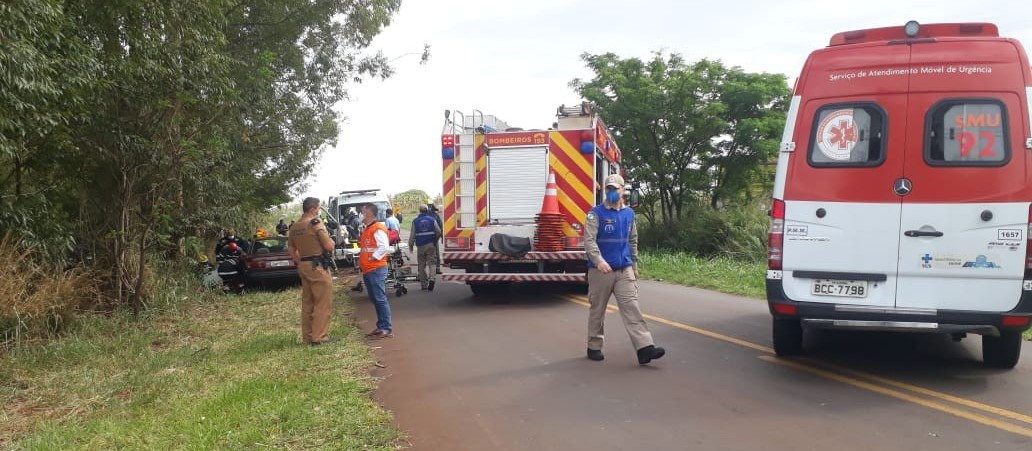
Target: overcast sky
x: 515, y: 59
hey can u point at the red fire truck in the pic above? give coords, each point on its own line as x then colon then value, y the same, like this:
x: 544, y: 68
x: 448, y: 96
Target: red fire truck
x: 495, y: 180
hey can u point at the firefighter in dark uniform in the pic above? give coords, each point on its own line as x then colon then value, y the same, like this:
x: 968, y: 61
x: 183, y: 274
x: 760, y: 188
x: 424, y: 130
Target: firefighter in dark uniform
x: 230, y: 237
x: 309, y: 244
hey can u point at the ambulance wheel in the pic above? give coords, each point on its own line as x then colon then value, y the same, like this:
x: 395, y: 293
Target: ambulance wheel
x: 788, y: 337
x: 1003, y: 351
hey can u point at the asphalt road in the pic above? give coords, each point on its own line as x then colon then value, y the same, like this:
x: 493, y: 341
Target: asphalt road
x: 509, y: 373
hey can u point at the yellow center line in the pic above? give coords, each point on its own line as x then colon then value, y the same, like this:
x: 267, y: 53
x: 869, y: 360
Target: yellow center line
x: 857, y: 375
x: 902, y: 396
x: 675, y: 324
x: 924, y: 391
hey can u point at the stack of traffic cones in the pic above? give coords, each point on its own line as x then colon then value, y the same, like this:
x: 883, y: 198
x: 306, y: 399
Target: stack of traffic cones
x: 549, y: 236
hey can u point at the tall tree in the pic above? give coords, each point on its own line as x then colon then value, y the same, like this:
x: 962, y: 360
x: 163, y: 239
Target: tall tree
x: 688, y: 130
x: 147, y: 120
x: 44, y: 70
x: 409, y: 201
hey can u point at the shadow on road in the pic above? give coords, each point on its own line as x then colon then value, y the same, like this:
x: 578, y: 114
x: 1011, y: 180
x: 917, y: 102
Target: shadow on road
x: 920, y: 358
x: 458, y: 297
x: 931, y: 360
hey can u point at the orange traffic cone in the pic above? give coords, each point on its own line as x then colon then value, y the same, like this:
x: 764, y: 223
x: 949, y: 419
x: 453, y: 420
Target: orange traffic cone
x: 551, y: 202
x: 549, y: 236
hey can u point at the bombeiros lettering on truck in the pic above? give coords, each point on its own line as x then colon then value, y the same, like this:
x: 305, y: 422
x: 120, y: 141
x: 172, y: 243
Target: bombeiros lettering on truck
x: 902, y: 199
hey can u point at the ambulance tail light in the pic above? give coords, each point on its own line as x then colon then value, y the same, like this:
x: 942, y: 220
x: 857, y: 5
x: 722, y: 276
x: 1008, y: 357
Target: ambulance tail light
x: 1015, y: 321
x: 776, y: 237
x: 786, y: 309
x: 458, y: 243
x: 1028, y: 246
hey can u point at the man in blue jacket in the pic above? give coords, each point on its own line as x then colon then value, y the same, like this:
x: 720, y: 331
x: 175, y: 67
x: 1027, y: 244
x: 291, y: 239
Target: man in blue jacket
x: 424, y: 236
x: 611, y: 242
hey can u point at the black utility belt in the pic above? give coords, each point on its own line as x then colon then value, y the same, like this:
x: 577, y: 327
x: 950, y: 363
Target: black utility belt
x: 311, y: 258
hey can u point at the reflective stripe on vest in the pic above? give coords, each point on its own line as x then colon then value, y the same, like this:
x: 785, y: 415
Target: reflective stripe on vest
x: 425, y: 233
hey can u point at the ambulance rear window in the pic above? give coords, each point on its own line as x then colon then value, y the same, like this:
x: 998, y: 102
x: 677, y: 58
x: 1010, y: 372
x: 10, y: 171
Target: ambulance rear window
x: 847, y: 135
x: 967, y: 133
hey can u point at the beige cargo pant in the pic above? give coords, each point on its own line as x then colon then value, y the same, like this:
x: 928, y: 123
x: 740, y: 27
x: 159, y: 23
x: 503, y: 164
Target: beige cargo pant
x: 622, y: 284
x: 316, y: 302
x: 427, y: 260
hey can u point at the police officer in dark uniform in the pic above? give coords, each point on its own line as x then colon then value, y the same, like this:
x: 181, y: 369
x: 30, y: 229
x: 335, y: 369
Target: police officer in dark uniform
x: 309, y: 245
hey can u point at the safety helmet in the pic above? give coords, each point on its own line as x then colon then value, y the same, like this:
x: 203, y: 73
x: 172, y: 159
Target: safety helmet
x: 261, y: 233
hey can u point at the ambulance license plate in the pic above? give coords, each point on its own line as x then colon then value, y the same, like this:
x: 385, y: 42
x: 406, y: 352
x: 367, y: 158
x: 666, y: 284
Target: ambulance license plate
x: 840, y: 288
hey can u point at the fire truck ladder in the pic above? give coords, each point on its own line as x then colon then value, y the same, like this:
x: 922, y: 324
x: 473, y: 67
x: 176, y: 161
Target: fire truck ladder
x: 465, y: 172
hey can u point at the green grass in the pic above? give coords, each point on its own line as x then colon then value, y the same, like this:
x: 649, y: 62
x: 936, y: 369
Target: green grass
x: 721, y: 274
x: 224, y: 375
x: 407, y: 223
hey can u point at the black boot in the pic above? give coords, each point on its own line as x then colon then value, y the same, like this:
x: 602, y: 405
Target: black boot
x: 596, y: 355
x: 430, y: 286
x: 649, y: 353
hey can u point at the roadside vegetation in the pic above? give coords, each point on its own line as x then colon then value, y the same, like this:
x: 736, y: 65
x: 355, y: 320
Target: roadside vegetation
x: 723, y: 274
x: 131, y: 135
x: 699, y: 137
x: 196, y: 371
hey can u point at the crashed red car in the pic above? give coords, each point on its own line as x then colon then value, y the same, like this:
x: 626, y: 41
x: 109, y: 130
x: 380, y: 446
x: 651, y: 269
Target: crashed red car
x: 268, y: 261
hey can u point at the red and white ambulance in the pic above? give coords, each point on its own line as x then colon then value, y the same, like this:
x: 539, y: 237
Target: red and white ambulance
x: 903, y: 189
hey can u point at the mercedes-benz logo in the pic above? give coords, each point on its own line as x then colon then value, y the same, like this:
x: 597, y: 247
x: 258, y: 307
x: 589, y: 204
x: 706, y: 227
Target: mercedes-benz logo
x: 902, y: 187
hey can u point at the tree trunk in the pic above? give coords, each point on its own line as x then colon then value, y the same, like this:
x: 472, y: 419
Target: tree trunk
x: 17, y: 177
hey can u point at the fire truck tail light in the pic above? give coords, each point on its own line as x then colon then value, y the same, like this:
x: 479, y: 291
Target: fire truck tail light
x: 448, y: 147
x: 587, y: 144
x: 459, y: 243
x: 574, y: 242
